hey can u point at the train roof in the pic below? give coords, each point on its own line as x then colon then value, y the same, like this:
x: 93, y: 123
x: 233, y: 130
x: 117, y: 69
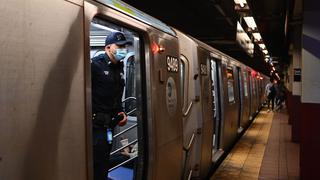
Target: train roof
x: 137, y: 14
x: 221, y: 55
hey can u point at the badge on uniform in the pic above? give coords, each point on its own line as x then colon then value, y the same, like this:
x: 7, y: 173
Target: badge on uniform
x: 106, y: 73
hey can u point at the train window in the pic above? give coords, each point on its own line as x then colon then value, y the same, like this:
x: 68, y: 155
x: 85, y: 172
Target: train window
x: 125, y: 138
x: 215, y: 104
x: 214, y: 86
x: 130, y: 90
x: 182, y: 74
x: 245, y: 83
x: 230, y: 78
x: 184, y: 80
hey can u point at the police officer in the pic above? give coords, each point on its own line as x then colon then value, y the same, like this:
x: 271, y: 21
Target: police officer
x: 107, y: 89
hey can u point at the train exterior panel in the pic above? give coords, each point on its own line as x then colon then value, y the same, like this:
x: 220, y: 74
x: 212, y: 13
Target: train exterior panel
x: 190, y: 100
x: 206, y: 102
x: 192, y: 115
x: 246, y: 97
x: 230, y: 104
x: 42, y: 114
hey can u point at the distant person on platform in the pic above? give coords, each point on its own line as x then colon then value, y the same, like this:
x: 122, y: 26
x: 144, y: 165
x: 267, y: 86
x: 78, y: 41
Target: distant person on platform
x: 270, y: 93
x: 107, y: 88
x: 281, y: 95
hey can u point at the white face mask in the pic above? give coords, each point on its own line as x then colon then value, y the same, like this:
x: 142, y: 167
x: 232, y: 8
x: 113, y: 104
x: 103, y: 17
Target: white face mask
x: 120, y: 54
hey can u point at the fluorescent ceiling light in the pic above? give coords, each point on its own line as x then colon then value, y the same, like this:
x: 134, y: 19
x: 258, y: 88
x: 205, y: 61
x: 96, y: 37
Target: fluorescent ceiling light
x: 265, y: 51
x: 257, y: 36
x: 242, y: 3
x: 262, y: 46
x: 239, y: 27
x: 250, y: 22
x: 251, y: 46
x: 267, y: 56
x: 244, y: 40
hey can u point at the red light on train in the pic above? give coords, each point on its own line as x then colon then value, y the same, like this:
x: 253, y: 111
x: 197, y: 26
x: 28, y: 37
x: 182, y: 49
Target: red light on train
x: 253, y: 73
x: 155, y: 48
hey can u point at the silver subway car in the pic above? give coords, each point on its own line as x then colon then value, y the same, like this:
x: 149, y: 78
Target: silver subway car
x: 187, y: 102
x: 219, y: 102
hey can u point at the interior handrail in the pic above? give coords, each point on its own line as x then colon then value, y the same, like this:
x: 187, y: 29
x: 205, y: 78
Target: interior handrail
x: 124, y: 162
x: 121, y: 148
x: 129, y: 98
x: 122, y: 132
x: 132, y: 111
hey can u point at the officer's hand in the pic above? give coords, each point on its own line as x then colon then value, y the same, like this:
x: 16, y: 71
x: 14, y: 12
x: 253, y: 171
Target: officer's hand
x: 124, y: 120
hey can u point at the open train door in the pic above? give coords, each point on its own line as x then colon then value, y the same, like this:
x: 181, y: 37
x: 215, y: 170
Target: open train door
x: 151, y: 95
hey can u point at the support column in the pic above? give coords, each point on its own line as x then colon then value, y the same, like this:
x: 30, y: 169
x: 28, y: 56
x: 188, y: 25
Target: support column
x: 295, y: 97
x: 310, y: 97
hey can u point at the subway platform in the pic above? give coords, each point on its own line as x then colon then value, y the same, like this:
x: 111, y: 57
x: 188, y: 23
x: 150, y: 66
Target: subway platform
x: 265, y: 151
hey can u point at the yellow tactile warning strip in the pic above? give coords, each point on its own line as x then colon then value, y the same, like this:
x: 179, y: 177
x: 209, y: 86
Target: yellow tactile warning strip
x: 245, y: 159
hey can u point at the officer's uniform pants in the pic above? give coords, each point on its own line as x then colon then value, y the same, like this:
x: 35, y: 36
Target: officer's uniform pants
x: 101, y: 153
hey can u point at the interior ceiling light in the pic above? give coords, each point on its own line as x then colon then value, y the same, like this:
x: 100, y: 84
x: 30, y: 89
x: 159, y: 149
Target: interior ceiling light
x: 103, y: 27
x: 266, y: 59
x: 262, y: 46
x: 242, y: 3
x: 267, y: 56
x: 250, y: 22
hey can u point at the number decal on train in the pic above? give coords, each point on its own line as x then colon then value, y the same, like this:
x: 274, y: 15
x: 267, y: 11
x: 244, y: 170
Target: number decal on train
x: 172, y: 64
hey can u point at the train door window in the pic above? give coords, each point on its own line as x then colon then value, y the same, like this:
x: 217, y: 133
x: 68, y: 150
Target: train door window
x: 184, y: 70
x: 245, y: 83
x: 215, y: 103
x: 240, y: 91
x: 230, y: 78
x: 124, y: 152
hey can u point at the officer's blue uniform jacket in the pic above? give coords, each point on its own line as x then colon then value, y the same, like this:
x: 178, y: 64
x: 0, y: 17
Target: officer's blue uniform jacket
x: 107, y: 85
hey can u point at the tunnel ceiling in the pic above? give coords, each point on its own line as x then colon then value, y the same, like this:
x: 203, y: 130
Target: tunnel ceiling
x: 214, y: 22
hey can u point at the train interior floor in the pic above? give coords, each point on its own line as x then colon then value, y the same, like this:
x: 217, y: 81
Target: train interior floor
x: 265, y: 151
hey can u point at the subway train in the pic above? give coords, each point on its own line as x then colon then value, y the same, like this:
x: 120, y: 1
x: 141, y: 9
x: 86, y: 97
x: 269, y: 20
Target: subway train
x: 187, y: 103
